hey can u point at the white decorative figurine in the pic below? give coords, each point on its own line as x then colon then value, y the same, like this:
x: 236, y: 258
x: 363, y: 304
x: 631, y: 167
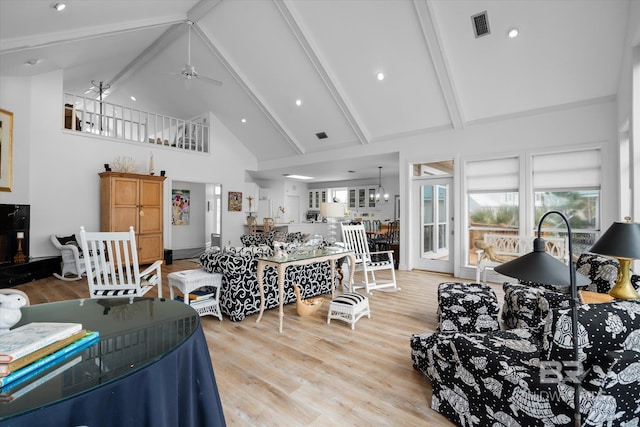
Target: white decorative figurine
x: 10, y: 313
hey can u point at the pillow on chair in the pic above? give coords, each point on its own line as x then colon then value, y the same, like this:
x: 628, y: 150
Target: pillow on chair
x: 70, y: 240
x: 66, y: 240
x: 601, y: 270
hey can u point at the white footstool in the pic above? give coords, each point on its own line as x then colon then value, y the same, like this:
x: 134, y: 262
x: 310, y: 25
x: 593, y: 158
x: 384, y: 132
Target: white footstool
x: 349, y: 307
x: 189, y: 280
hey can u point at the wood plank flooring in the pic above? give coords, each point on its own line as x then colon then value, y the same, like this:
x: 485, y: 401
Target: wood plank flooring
x: 314, y: 374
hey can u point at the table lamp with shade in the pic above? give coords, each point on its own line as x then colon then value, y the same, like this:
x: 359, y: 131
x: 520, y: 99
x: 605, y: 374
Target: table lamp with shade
x: 331, y: 211
x: 540, y: 267
x: 621, y: 241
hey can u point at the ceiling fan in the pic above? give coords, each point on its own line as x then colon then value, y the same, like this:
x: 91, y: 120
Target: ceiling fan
x: 189, y: 71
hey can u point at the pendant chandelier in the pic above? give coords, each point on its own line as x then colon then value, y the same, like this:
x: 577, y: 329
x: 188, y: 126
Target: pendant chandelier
x: 380, y: 194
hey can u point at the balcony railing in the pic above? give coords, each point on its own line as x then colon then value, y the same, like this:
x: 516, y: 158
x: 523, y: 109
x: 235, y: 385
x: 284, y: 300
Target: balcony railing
x: 102, y: 118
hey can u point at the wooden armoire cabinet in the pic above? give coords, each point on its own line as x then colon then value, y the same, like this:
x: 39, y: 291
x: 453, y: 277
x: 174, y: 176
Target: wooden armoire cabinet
x: 128, y: 199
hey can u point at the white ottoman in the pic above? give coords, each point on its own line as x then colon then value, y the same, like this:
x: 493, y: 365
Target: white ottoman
x: 349, y: 307
x: 189, y: 280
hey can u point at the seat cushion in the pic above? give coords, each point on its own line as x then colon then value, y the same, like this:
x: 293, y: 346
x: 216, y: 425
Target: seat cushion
x: 352, y: 298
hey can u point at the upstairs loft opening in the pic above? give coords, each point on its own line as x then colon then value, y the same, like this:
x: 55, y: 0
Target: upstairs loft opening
x: 95, y: 117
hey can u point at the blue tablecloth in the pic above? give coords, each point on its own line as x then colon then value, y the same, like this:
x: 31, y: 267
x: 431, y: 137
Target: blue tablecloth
x: 177, y: 390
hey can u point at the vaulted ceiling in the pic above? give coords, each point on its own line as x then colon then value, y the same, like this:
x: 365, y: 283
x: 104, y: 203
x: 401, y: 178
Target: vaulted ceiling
x: 326, y: 53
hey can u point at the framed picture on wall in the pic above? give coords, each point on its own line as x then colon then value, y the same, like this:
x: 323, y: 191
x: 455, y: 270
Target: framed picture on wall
x: 6, y: 148
x: 180, y: 202
x: 397, y: 209
x: 235, y: 201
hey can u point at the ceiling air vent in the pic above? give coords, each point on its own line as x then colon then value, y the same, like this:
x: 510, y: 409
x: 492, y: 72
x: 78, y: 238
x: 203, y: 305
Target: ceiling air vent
x: 321, y: 135
x: 480, y: 23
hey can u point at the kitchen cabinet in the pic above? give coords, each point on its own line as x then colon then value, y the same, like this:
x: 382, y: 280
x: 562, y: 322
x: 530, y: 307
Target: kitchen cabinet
x: 361, y: 197
x: 316, y: 197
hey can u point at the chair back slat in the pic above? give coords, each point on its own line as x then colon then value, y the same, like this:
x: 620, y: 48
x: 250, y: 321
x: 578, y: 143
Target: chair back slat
x: 354, y: 238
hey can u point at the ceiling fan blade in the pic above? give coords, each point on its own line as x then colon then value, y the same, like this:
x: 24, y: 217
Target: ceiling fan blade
x: 210, y: 80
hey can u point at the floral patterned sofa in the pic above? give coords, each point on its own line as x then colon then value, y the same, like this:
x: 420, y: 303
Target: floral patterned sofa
x: 494, y: 379
x: 240, y: 295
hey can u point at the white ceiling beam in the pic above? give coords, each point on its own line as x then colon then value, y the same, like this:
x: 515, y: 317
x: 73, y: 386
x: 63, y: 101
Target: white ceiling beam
x: 197, y: 12
x: 158, y: 45
x: 250, y: 90
x: 201, y: 9
x: 431, y: 36
x: 97, y: 31
x: 284, y: 6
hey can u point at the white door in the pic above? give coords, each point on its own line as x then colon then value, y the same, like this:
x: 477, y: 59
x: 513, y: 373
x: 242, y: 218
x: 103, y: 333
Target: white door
x: 434, y: 242
x: 292, y: 209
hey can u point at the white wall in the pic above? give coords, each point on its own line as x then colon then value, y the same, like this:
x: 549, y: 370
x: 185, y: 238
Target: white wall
x: 588, y: 125
x: 56, y: 171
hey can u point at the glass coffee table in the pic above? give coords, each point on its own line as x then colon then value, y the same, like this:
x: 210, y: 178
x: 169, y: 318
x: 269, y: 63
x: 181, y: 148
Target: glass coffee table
x: 331, y: 254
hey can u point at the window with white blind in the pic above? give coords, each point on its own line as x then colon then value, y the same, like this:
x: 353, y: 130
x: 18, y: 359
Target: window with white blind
x: 569, y: 182
x: 492, y: 199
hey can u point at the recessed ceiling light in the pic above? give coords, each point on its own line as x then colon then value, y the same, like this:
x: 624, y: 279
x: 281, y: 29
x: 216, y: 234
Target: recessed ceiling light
x: 288, y: 175
x: 59, y: 6
x: 133, y: 98
x: 380, y: 76
x: 513, y: 33
x: 243, y: 120
x: 31, y: 62
x: 298, y: 102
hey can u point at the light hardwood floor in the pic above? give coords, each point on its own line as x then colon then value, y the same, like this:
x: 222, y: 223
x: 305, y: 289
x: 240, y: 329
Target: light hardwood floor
x: 314, y: 374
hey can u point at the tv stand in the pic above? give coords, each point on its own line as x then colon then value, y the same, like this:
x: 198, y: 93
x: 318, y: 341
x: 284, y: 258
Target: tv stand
x: 12, y: 274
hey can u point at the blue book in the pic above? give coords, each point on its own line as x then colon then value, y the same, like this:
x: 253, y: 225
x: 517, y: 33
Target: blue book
x: 41, y: 365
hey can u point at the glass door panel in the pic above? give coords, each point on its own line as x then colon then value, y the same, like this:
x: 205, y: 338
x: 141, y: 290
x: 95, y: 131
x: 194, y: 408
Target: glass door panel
x: 435, y: 243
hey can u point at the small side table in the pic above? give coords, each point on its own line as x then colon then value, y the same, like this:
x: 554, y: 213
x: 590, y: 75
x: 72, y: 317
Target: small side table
x: 189, y: 280
x: 589, y: 297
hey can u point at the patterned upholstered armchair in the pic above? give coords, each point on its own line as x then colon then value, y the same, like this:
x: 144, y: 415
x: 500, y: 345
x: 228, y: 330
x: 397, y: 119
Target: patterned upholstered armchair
x: 495, y: 379
x: 527, y: 306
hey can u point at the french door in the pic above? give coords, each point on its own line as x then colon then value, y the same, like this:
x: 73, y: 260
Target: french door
x: 434, y: 242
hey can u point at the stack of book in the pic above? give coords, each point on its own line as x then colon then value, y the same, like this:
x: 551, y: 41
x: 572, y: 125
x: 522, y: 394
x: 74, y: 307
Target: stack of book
x: 29, y: 350
x: 196, y: 296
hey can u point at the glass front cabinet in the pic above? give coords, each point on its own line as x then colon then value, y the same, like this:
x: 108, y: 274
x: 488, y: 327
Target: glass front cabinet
x: 362, y: 197
x: 316, y: 198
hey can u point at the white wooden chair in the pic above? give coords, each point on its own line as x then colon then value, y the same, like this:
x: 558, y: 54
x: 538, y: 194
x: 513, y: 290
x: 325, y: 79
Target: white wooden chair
x: 354, y: 238
x: 115, y: 271
x: 72, y: 266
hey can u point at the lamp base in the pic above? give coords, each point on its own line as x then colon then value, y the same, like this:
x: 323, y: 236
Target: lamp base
x: 624, y: 289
